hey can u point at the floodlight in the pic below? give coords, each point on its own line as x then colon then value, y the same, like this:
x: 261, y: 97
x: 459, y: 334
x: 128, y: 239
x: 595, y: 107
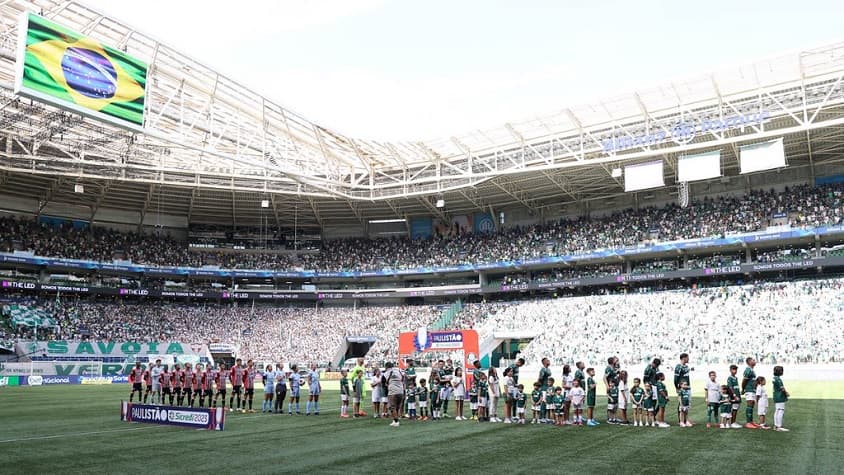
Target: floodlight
x: 386, y: 220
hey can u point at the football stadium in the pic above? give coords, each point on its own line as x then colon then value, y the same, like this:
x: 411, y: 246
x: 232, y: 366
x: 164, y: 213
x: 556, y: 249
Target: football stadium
x: 194, y: 277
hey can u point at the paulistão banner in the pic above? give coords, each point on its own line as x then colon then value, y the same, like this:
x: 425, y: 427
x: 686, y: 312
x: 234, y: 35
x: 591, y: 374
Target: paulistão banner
x: 194, y: 418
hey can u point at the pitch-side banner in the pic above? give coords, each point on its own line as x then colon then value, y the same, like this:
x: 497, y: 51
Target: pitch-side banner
x: 126, y: 349
x: 193, y: 418
x: 66, y: 368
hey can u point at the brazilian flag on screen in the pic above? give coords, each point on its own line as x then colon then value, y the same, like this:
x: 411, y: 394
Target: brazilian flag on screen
x: 75, y: 71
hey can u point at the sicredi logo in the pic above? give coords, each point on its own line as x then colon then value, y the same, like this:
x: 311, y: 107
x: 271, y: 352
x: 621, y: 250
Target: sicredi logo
x: 195, y: 418
x: 35, y: 380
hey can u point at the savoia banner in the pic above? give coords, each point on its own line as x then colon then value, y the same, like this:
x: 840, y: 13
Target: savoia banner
x: 107, y: 348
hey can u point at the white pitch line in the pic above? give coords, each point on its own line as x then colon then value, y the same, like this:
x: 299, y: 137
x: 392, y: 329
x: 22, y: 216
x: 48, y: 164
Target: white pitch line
x: 78, y: 434
x: 74, y: 434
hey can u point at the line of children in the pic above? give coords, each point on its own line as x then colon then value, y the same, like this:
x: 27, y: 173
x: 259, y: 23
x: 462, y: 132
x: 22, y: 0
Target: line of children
x: 564, y: 405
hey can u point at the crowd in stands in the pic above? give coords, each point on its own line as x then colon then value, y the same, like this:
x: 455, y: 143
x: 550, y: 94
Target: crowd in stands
x: 474, y: 314
x: 553, y: 275
x: 789, y: 254
x: 778, y: 322
x: 7, y: 340
x: 655, y: 266
x: 714, y: 261
x: 98, y: 244
x: 804, y: 206
x: 305, y: 334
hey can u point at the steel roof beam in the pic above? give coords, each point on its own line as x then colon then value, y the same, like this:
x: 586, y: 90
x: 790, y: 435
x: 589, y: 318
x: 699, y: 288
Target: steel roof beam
x: 193, y: 193
x: 315, y: 209
x: 146, y: 205
x: 103, y: 192
x: 517, y: 195
x: 48, y: 195
x: 275, y: 211
x: 433, y: 209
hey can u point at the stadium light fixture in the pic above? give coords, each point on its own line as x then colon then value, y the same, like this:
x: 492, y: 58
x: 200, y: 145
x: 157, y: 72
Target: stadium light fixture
x: 616, y: 173
x: 385, y: 221
x: 77, y: 188
x: 265, y: 203
x: 440, y: 203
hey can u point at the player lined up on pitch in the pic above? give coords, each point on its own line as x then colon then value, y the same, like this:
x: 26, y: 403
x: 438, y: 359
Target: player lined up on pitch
x: 571, y: 400
x: 207, y: 387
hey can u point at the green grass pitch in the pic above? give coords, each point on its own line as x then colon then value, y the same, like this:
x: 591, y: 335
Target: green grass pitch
x: 76, y: 429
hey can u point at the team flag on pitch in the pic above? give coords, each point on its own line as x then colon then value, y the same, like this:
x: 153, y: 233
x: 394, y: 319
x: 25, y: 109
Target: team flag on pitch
x: 70, y: 67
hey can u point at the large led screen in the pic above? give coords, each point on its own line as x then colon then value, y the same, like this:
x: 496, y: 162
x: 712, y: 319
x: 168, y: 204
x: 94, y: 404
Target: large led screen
x: 75, y: 72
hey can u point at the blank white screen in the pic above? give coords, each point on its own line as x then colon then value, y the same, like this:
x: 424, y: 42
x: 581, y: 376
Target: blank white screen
x: 699, y: 167
x: 762, y: 156
x: 643, y: 176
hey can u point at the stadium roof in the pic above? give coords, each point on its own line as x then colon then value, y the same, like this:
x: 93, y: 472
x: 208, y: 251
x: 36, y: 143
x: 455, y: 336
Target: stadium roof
x: 214, y: 149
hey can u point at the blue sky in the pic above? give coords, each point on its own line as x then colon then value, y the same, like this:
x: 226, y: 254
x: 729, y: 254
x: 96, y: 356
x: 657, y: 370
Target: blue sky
x: 416, y: 70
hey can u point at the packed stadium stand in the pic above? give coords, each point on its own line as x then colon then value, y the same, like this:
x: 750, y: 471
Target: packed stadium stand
x: 805, y: 206
x: 778, y: 322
